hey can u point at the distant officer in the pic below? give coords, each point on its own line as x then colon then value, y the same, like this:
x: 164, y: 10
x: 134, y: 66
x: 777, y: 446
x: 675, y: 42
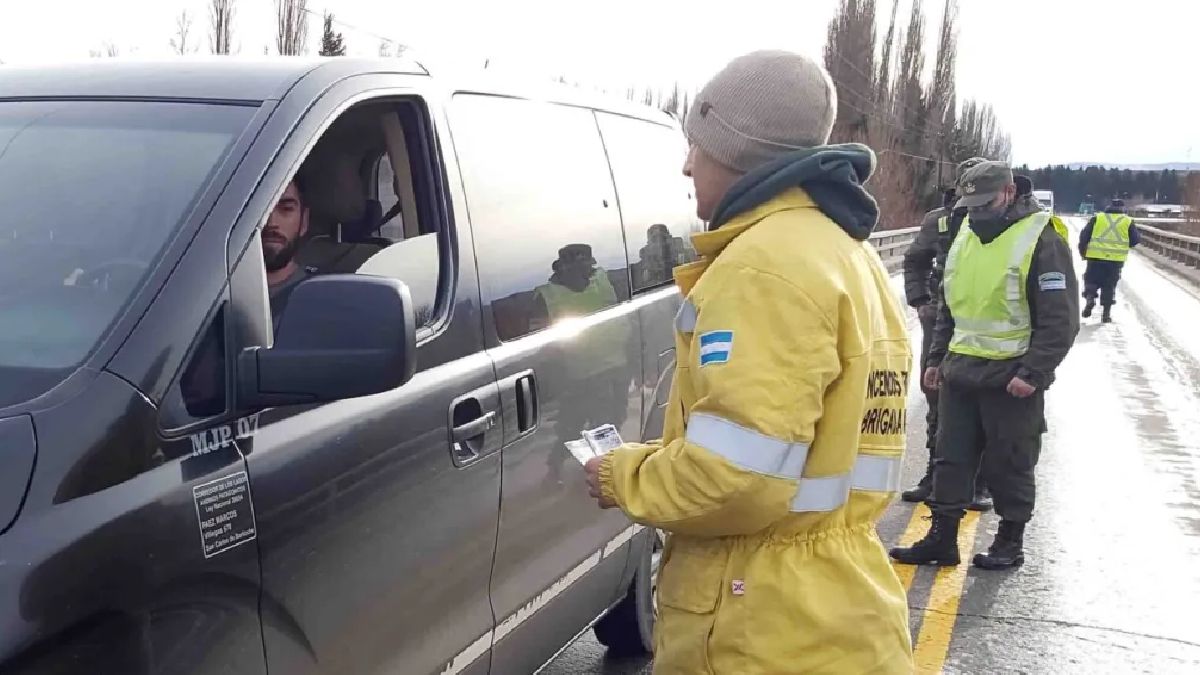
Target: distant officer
x: 1008, y: 317
x: 923, y: 264
x: 1104, y: 244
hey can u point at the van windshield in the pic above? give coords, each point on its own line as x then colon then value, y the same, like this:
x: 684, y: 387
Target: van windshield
x: 90, y: 193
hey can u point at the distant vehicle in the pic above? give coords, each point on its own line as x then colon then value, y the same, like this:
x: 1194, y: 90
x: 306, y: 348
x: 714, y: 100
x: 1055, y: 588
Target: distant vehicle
x: 1087, y: 208
x: 1045, y: 198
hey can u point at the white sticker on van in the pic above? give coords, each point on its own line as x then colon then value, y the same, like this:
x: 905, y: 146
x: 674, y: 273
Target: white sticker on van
x: 223, y: 436
x: 480, y: 646
x: 225, y: 513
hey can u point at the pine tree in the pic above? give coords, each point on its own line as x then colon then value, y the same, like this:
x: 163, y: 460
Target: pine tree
x: 332, y: 44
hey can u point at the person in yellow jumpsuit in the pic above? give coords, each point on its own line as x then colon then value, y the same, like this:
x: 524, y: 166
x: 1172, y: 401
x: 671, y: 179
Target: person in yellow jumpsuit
x: 787, y: 417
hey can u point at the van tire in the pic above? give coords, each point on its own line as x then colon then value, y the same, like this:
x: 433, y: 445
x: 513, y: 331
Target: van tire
x: 628, y: 628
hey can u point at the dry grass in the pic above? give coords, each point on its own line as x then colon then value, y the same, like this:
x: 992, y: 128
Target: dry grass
x: 1191, y: 197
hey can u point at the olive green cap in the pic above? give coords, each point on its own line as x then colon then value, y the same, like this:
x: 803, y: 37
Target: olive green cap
x: 966, y: 164
x: 982, y: 182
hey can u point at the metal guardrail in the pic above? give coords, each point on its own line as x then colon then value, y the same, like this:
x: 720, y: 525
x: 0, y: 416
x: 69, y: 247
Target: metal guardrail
x: 891, y: 245
x: 1180, y: 248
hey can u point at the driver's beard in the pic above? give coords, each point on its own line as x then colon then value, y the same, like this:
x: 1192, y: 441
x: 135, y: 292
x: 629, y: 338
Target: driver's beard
x: 277, y: 259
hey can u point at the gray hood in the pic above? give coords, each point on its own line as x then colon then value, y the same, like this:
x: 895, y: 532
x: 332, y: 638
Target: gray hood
x: 833, y: 175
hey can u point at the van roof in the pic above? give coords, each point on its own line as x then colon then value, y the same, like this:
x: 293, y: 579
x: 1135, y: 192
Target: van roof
x: 204, y: 78
x: 235, y: 78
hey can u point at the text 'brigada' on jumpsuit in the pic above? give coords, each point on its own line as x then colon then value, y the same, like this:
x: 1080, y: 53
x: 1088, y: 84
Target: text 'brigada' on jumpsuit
x: 782, y: 448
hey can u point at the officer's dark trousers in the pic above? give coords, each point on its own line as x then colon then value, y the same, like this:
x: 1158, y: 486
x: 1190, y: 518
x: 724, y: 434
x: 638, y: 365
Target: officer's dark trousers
x: 1101, y: 276
x: 931, y: 395
x: 995, y: 429
x: 931, y: 410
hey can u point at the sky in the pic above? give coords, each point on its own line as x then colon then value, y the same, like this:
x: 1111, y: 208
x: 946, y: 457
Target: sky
x: 1071, y: 80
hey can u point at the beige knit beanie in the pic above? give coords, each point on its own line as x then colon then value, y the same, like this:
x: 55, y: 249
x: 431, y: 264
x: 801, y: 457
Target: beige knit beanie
x: 763, y: 105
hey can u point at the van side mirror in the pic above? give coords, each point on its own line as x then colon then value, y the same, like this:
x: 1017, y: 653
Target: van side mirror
x: 340, y: 336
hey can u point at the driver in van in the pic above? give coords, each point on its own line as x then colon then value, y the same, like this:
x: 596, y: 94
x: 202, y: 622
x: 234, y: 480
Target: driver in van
x: 281, y: 237
x: 202, y: 383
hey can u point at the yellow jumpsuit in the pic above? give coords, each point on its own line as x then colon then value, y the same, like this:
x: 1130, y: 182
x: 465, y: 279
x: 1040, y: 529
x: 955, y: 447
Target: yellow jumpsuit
x: 782, y: 448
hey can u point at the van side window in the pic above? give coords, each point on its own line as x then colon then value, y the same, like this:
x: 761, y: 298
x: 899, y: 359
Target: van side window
x: 543, y: 209
x: 370, y: 192
x: 657, y: 208
x: 371, y: 189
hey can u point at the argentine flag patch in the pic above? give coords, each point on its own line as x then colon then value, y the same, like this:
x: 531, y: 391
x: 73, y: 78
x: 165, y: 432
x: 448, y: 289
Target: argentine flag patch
x: 1052, y: 281
x: 715, y: 347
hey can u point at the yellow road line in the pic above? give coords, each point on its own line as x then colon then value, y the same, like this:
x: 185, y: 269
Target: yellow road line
x: 941, y: 613
x: 917, y: 526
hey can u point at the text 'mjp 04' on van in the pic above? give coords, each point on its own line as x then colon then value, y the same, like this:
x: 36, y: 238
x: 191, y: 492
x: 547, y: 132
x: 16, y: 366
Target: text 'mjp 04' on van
x: 363, y: 467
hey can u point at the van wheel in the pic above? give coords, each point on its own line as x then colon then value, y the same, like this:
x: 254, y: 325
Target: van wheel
x: 628, y: 628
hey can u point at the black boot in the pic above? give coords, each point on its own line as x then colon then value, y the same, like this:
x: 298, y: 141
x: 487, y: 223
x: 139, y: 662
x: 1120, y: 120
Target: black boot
x: 1088, y: 307
x: 982, y: 500
x: 1006, y: 550
x: 939, y: 547
x: 921, y: 492
x: 1106, y: 317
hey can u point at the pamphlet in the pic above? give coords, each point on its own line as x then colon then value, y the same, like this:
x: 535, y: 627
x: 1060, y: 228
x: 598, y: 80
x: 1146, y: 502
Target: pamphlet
x: 594, y: 443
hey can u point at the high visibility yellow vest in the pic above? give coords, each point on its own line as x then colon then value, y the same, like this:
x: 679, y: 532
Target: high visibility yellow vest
x: 564, y: 303
x: 1110, y: 237
x: 604, y: 345
x: 985, y: 289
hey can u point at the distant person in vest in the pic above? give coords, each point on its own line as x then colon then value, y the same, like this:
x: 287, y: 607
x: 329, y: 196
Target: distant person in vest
x: 1009, y: 314
x: 923, y: 264
x: 1104, y: 243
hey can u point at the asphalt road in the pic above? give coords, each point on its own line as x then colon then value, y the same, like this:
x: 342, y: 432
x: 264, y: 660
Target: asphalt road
x: 1112, y: 578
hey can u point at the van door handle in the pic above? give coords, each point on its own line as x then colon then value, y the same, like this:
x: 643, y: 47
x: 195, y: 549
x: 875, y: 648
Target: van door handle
x: 475, y: 428
x: 527, y: 409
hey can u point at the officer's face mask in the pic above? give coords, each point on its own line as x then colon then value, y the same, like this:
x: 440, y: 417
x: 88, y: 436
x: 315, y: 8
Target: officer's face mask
x: 993, y: 212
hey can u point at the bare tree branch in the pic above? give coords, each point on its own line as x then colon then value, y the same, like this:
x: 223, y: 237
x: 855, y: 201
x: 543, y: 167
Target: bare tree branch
x: 107, y: 50
x: 220, y: 14
x: 183, y: 29
x: 291, y: 18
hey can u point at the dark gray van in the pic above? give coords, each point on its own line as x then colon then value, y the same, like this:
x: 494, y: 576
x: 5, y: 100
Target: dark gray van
x: 374, y: 477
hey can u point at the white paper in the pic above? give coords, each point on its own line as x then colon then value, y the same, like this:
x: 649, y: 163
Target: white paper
x: 580, y: 450
x: 603, y: 440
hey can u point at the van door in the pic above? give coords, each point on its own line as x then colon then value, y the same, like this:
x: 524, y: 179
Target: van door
x: 566, y: 344
x: 658, y: 212
x: 377, y: 515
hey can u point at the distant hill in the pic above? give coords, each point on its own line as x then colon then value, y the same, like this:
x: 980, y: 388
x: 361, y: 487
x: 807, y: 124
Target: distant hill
x: 1173, y: 166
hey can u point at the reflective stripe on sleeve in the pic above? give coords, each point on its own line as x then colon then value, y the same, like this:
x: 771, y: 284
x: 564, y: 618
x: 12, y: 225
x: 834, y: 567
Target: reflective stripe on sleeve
x: 685, y: 319
x: 876, y: 473
x: 873, y: 473
x: 746, y: 448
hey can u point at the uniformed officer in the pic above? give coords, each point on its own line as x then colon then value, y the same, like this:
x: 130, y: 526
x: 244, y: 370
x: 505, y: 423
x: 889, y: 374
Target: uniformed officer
x: 1008, y: 317
x: 1104, y: 243
x: 923, y: 264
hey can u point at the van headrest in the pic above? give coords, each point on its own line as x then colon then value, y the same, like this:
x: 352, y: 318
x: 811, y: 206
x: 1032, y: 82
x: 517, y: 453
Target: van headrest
x: 335, y: 190
x: 364, y: 228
